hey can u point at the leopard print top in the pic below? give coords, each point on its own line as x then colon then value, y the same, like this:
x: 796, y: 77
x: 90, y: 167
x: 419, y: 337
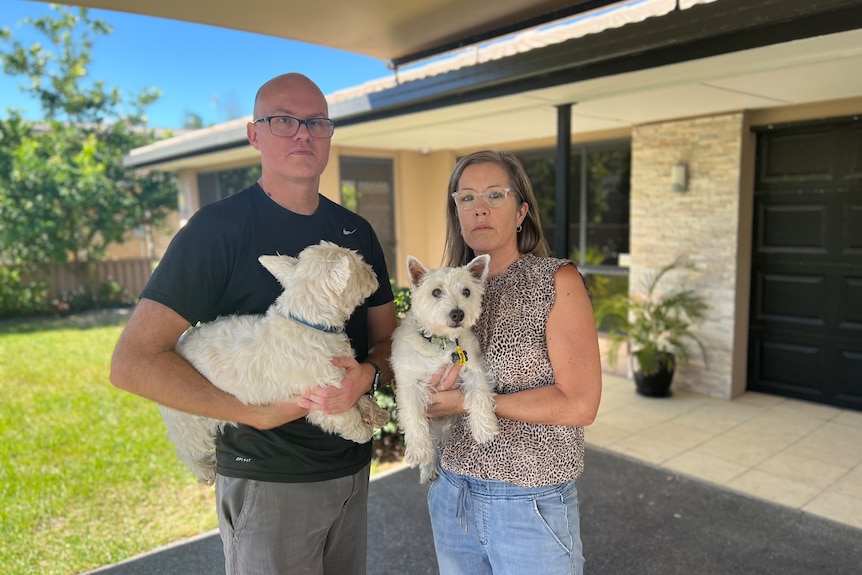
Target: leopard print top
x: 511, y: 331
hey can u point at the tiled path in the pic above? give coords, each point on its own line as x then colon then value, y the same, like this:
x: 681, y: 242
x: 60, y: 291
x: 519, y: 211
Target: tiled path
x: 795, y: 453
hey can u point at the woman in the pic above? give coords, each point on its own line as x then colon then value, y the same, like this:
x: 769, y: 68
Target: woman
x: 510, y: 506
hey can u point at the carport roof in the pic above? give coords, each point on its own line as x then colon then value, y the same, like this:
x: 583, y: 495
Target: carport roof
x: 620, y: 64
x: 397, y: 31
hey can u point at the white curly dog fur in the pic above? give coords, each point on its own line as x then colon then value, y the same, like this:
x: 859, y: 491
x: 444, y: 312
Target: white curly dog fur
x: 445, y: 304
x: 277, y: 356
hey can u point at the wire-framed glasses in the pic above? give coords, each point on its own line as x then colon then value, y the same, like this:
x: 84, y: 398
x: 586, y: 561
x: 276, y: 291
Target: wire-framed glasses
x: 495, y: 196
x: 288, y: 126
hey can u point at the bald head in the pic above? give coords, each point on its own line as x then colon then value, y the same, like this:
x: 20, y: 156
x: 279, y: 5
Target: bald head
x: 290, y: 83
x: 291, y: 164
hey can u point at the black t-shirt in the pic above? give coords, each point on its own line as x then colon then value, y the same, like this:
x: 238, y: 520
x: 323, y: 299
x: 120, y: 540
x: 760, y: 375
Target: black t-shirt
x: 211, y: 269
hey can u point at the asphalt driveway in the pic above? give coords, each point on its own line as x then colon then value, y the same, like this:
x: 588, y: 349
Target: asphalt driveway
x: 636, y: 519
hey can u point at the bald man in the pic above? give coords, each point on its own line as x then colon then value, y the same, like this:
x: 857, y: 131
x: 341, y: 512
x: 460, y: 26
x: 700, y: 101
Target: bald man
x: 290, y: 498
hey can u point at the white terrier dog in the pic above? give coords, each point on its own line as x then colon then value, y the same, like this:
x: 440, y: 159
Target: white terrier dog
x: 275, y: 357
x: 445, y: 304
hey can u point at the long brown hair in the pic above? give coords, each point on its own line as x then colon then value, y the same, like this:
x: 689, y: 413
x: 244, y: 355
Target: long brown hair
x: 530, y: 238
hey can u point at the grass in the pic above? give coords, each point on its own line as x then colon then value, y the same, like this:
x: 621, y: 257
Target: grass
x: 88, y: 476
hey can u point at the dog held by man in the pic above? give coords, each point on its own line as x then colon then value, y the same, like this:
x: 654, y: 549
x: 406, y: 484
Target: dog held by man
x: 445, y: 304
x: 277, y: 356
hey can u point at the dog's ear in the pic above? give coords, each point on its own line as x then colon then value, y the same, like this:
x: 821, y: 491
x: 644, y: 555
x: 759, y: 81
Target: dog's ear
x: 279, y: 266
x: 416, y: 270
x: 338, y: 274
x: 478, y: 267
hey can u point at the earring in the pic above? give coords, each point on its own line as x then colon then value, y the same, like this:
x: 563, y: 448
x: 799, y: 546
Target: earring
x: 520, y: 227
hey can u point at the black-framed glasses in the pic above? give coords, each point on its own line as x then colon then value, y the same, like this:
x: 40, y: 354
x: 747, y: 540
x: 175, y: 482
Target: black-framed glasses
x: 495, y: 196
x: 288, y: 126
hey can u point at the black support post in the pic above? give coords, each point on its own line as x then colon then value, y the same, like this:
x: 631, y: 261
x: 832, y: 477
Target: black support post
x: 560, y: 242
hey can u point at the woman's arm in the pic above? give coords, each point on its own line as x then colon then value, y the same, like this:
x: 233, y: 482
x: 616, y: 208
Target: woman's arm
x: 574, y: 352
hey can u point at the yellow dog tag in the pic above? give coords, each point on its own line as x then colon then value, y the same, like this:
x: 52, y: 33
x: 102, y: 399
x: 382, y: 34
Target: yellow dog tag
x: 459, y: 356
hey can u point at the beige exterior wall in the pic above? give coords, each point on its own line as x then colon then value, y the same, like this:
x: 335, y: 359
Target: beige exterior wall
x: 189, y: 201
x: 832, y: 109
x: 329, y: 179
x: 149, y: 244
x: 135, y: 246
x: 420, y: 208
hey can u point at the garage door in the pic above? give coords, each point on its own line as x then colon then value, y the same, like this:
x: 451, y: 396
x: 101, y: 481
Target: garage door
x: 806, y: 301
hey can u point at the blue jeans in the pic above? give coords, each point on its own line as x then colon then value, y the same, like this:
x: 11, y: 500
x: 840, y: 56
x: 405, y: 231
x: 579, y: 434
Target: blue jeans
x: 493, y: 527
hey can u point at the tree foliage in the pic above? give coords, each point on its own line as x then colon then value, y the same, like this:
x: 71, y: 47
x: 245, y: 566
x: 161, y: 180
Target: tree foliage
x: 64, y: 191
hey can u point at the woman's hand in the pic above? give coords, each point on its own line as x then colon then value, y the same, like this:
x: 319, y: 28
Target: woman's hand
x: 446, y: 377
x: 446, y: 397
x: 444, y: 403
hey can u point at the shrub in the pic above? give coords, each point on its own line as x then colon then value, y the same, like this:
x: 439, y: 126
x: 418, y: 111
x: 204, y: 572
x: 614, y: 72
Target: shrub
x: 385, y: 396
x: 109, y: 294
x: 18, y: 298
x: 402, y: 300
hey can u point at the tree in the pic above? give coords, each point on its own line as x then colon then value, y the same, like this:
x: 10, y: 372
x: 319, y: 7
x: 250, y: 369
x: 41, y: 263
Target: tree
x: 64, y: 192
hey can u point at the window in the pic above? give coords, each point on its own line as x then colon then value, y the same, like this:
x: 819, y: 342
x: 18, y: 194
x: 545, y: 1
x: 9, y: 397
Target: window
x: 215, y: 186
x: 367, y: 189
x: 597, y: 209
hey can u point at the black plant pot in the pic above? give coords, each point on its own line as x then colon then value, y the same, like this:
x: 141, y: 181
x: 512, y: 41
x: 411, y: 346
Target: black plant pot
x: 656, y: 384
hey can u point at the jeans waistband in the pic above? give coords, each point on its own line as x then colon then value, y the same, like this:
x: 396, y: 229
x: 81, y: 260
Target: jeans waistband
x: 496, y: 488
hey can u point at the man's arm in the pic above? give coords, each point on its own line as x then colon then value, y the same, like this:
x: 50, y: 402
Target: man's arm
x: 146, y: 364
x: 381, y: 323
x: 359, y: 376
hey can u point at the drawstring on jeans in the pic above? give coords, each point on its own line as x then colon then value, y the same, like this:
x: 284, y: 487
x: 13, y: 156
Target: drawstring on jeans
x: 464, y: 505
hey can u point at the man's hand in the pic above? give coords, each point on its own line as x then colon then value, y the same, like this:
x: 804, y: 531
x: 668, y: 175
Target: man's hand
x: 333, y: 400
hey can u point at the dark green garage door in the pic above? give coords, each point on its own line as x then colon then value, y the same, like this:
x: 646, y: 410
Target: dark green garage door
x: 806, y: 301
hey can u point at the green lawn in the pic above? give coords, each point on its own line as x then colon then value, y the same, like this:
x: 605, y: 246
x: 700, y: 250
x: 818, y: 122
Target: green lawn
x: 87, y: 474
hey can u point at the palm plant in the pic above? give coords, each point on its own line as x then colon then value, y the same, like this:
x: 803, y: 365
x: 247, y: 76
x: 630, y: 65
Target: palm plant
x: 657, y: 326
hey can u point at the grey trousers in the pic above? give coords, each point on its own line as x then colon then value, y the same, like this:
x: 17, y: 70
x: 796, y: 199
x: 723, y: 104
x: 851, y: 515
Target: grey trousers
x: 294, y: 528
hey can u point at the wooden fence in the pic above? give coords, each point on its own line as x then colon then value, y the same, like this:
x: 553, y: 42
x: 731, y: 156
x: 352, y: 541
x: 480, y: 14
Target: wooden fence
x: 132, y: 274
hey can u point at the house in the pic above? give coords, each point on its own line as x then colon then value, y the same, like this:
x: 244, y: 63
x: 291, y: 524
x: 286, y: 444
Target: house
x: 729, y: 131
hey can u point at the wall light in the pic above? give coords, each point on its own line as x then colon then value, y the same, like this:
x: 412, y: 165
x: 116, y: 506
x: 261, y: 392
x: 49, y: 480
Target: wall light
x: 679, y: 177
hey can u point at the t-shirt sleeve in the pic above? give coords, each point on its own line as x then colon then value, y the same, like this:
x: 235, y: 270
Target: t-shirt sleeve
x: 191, y: 276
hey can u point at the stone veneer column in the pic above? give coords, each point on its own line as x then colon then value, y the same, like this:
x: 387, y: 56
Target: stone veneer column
x: 701, y: 223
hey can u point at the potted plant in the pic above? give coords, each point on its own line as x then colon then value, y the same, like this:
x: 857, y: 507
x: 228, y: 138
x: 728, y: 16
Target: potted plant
x: 656, y: 326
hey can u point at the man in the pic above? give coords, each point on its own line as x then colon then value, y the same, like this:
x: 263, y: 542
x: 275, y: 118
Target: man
x: 291, y: 498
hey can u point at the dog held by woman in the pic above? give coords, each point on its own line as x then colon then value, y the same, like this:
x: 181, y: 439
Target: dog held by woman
x: 445, y: 304
x: 279, y: 355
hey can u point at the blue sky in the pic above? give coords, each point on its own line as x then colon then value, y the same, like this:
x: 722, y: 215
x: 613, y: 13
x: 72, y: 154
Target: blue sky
x: 209, y: 71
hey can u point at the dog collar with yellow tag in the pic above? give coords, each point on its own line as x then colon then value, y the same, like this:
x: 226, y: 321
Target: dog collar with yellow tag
x: 459, y: 356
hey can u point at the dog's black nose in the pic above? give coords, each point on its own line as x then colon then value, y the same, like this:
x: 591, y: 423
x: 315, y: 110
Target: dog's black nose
x: 456, y: 315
